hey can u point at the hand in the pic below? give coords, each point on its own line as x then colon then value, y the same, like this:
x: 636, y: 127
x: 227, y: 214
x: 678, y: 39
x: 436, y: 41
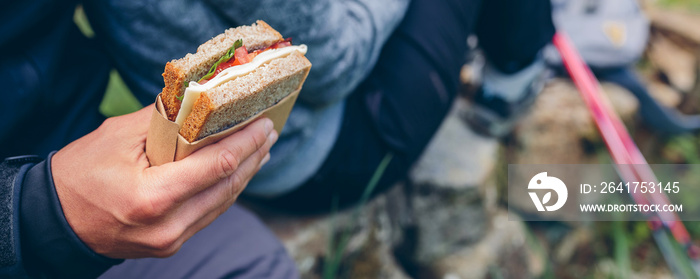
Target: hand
x: 121, y: 207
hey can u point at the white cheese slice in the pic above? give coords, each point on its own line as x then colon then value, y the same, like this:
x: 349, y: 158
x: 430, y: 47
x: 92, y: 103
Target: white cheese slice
x: 194, y: 89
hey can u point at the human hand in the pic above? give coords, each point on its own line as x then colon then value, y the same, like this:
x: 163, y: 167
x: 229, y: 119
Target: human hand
x: 121, y: 207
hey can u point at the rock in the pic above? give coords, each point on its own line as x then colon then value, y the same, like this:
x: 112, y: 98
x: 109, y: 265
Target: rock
x: 678, y: 64
x: 560, y: 130
x: 372, y: 232
x: 444, y: 223
x: 681, y: 25
x: 456, y: 157
x: 375, y: 260
x: 571, y: 242
x: 664, y: 94
x: 623, y: 102
x: 395, y: 231
x: 446, y: 190
x: 505, y: 240
x: 553, y: 131
x: 607, y: 268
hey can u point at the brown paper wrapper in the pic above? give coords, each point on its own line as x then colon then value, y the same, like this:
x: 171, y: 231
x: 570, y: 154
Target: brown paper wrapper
x: 164, y: 143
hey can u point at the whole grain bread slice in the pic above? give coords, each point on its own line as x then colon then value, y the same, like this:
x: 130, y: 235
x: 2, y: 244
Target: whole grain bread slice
x: 193, y: 66
x: 239, y: 99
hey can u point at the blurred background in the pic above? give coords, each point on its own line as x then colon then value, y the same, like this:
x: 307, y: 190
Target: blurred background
x: 450, y: 218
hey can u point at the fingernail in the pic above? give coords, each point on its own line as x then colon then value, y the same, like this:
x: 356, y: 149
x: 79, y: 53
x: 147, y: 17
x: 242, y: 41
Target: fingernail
x: 272, y: 137
x: 265, y: 160
x: 268, y: 126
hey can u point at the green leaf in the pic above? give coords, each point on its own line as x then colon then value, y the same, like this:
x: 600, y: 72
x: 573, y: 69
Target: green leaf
x: 238, y: 43
x: 207, y: 76
x: 186, y: 84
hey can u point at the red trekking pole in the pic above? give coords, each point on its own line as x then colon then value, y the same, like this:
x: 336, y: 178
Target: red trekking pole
x: 629, y: 161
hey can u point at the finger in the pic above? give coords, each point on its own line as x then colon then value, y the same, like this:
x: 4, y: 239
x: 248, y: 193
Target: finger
x: 194, y: 217
x: 182, y: 179
x: 225, y: 192
x: 199, y: 223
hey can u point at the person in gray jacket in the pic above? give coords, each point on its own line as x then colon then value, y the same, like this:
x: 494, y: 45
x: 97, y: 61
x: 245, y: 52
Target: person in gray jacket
x: 384, y: 75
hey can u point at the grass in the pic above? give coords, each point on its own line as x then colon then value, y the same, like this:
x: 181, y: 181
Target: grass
x: 336, y: 249
x: 118, y: 99
x: 688, y: 5
x: 621, y: 250
x: 683, y: 148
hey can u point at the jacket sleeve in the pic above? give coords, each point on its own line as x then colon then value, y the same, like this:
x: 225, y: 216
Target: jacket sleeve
x: 38, y: 241
x: 11, y: 173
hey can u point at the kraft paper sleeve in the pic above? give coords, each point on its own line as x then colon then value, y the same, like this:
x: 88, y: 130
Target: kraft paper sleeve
x: 164, y: 143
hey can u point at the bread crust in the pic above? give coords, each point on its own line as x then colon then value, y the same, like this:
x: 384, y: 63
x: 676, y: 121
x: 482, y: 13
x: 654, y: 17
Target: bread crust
x: 201, y: 111
x: 194, y: 66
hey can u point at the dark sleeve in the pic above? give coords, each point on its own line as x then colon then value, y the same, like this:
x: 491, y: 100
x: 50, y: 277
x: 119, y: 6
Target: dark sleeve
x: 41, y: 243
x: 11, y: 173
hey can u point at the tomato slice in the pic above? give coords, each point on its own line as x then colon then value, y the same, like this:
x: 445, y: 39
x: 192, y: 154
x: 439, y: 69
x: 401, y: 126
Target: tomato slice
x: 252, y: 55
x: 241, y: 56
x: 224, y: 66
x: 287, y: 42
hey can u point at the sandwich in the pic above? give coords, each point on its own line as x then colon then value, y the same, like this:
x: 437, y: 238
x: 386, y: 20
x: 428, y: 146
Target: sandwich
x: 231, y: 78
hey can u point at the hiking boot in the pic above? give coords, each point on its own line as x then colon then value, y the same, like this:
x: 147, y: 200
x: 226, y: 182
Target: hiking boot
x: 503, y: 99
